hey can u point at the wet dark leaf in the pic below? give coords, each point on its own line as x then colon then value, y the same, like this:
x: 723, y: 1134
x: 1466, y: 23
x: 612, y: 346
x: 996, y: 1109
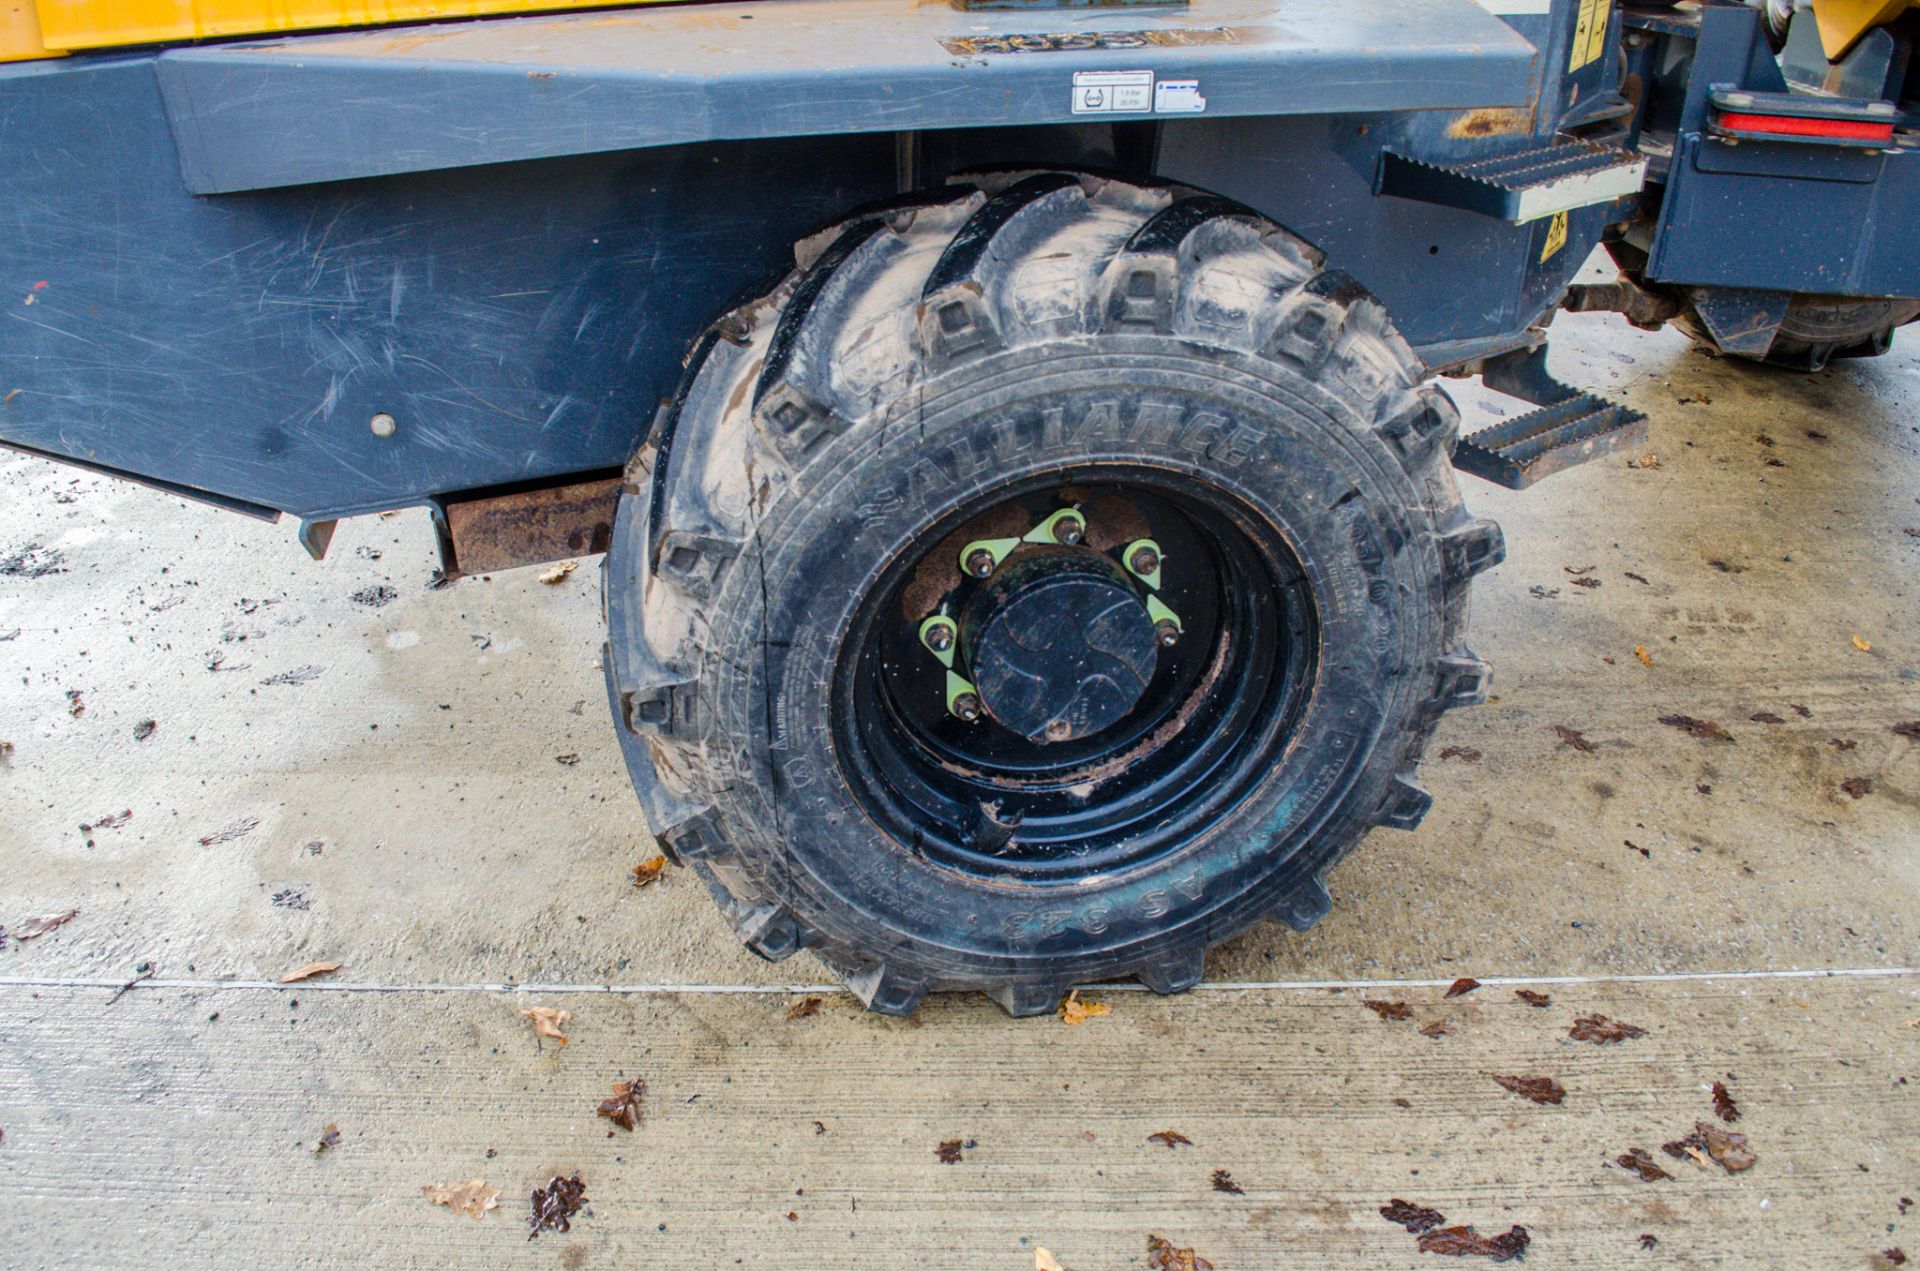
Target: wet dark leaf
x: 1532, y: 998
x: 1723, y: 1105
x: 1727, y: 567
x: 1896, y: 1256
x: 1637, y: 578
x: 1857, y: 787
x: 1645, y: 852
x: 1465, y: 1242
x: 1910, y: 730
x: 555, y: 1205
x: 1388, y: 1010
x: 1588, y: 583
x: 1842, y: 743
x: 948, y: 1151
x: 1573, y: 737
x: 144, y: 729
x: 1766, y: 717
x: 1640, y: 1163
x: 1648, y: 1240
x: 805, y: 1007
x: 1538, y: 1089
x: 1414, y: 1218
x: 1800, y: 710
x: 1462, y: 986
x: 1223, y: 1182
x: 1465, y: 754
x: 567, y: 760
x: 1602, y: 1031
x: 1703, y: 729
x: 1169, y: 1139
x: 1162, y: 1256
x: 623, y: 1109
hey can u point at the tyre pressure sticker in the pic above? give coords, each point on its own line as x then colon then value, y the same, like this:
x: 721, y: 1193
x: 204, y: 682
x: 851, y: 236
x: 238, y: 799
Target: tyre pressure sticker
x: 1134, y: 92
x: 1112, y: 92
x: 1556, y: 237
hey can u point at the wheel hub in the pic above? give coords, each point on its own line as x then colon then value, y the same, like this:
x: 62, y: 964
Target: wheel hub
x: 1059, y: 644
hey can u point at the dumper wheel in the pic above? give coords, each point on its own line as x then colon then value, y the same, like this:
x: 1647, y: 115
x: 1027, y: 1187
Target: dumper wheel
x: 1048, y: 579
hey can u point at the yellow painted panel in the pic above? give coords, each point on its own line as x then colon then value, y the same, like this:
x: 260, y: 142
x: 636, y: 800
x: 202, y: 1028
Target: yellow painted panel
x: 1590, y: 33
x: 83, y: 24
x: 1844, y: 21
x: 20, y: 32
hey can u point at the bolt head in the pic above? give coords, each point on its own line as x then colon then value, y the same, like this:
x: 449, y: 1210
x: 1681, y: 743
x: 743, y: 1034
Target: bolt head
x: 940, y: 637
x: 967, y: 707
x: 383, y: 425
x: 1069, y: 530
x: 980, y: 562
x: 1144, y: 561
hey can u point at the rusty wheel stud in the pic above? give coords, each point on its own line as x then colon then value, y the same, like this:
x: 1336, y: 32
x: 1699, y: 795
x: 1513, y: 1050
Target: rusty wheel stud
x: 1144, y: 560
x: 980, y: 562
x: 1166, y: 633
x: 1069, y: 530
x: 967, y: 708
x: 940, y: 636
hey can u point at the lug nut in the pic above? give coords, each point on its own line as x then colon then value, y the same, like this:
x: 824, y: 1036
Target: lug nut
x: 1058, y: 729
x: 940, y: 637
x: 967, y: 707
x: 980, y: 562
x: 1144, y: 560
x: 1167, y: 633
x: 1069, y: 530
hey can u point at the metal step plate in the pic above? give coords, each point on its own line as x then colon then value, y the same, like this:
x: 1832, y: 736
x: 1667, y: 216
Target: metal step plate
x: 1538, y: 444
x: 1522, y: 186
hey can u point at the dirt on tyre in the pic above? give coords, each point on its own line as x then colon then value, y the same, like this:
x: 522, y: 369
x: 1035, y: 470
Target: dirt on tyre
x: 1046, y: 580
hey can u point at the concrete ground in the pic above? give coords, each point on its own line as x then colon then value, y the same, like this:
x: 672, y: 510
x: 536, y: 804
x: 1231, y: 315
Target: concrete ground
x: 345, y: 765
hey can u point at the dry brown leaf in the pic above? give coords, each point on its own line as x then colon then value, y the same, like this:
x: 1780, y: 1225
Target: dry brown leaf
x: 555, y: 1204
x: 33, y: 928
x: 1640, y: 651
x: 547, y: 1021
x: 1649, y: 460
x: 1044, y: 1261
x: 1415, y: 1218
x: 1602, y: 1031
x: 1538, y: 1089
x: 1532, y: 998
x: 1462, y: 986
x: 1223, y: 1182
x: 1434, y: 1028
x: 1465, y: 1242
x: 623, y: 1109
x: 1640, y: 1163
x: 1723, y: 1105
x: 1388, y: 1010
x: 472, y: 1198
x: 948, y: 1151
x: 1075, y: 1011
x: 649, y: 871
x: 1162, y: 1256
x: 1170, y: 1139
x: 803, y: 1008
x: 1693, y: 726
x: 1575, y: 738
x: 558, y: 574
x: 1861, y: 643
x: 308, y: 971
x: 1727, y: 1147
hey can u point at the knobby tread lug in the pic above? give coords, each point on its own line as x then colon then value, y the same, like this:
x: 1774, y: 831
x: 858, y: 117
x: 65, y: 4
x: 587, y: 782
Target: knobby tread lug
x: 774, y: 355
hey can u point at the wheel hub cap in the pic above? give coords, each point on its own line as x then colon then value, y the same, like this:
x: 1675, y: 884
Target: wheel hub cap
x: 1059, y: 644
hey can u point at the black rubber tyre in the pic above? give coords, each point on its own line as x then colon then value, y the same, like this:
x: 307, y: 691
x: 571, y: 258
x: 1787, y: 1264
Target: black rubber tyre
x: 1038, y: 336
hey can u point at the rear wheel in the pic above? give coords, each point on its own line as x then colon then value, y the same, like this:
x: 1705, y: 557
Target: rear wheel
x: 1048, y: 579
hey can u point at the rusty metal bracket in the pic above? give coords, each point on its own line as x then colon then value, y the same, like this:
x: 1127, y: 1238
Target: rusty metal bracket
x: 485, y: 530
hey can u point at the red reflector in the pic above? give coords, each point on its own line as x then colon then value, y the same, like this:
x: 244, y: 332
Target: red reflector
x: 1795, y: 126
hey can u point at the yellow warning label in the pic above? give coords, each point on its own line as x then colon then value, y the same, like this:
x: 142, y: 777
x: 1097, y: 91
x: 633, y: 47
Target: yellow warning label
x: 1590, y: 35
x: 1556, y: 237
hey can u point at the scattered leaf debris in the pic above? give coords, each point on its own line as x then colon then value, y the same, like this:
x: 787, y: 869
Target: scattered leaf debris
x: 1633, y: 846
x: 1640, y: 651
x: 1223, y: 1182
x: 1647, y: 462
x: 1648, y: 1240
x: 1465, y: 754
x: 1800, y: 710
x: 1388, y: 1010
x: 145, y: 729
x: 804, y: 1008
x: 35, y: 927
x: 374, y: 597
x: 289, y: 899
x: 1703, y: 729
x: 1896, y: 1256
x: 33, y: 561
x: 1163, y: 1256
x: 1639, y: 578
x: 1858, y: 787
x: 649, y: 871
x: 1434, y: 1028
x: 1075, y: 1011
x: 1532, y: 998
x: 1842, y: 743
x: 1727, y: 1147
x: 111, y: 821
x: 567, y: 760
x: 231, y: 831
x: 1727, y: 567
x: 623, y: 1109
x: 1723, y: 1105
x: 1602, y: 1031
x: 1578, y: 570
x: 1465, y: 1242
x: 948, y: 1151
x: 1910, y: 730
x: 558, y: 574
x: 298, y: 675
x: 1574, y: 738
x: 1588, y: 583
x: 1414, y: 1218
x: 1543, y: 593
x: 1538, y: 1089
x: 1861, y: 643
x: 547, y: 1022
x: 555, y: 1205
x: 1766, y: 717
x: 329, y: 1138
x: 1462, y: 986
x: 1170, y: 1139
x: 1637, y: 1160
x: 472, y: 1198
x: 75, y: 706
x: 308, y: 971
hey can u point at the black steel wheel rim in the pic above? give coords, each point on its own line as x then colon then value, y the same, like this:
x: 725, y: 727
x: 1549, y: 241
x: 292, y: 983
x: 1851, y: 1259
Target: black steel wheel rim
x: 1213, y: 720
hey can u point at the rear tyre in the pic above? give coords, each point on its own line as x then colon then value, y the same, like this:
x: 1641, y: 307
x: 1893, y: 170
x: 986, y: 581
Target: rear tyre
x: 891, y: 670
